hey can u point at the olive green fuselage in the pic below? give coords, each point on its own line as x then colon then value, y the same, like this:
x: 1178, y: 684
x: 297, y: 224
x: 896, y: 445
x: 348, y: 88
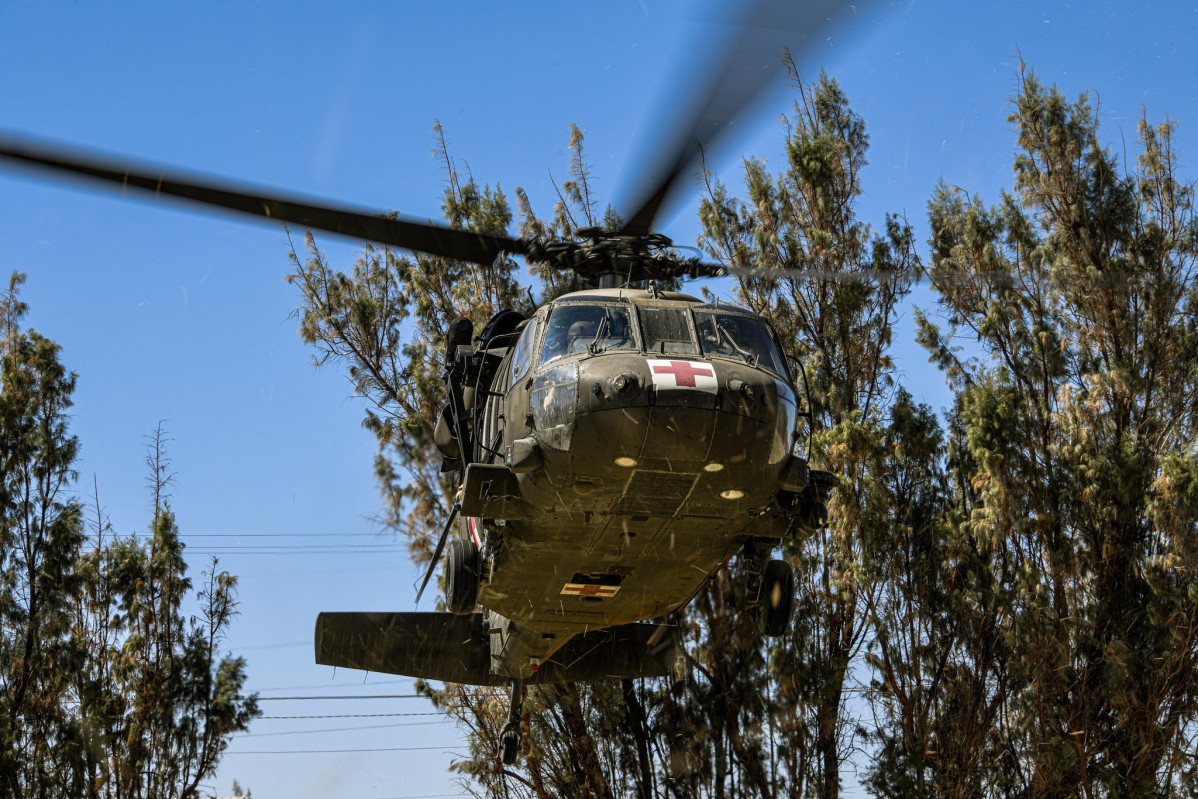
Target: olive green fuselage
x: 652, y: 468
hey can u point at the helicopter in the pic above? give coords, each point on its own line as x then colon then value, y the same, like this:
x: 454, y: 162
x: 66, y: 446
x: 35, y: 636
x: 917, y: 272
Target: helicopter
x: 611, y: 452
x: 614, y: 450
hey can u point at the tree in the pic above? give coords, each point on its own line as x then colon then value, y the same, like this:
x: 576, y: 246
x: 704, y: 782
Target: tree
x: 1073, y: 605
x: 1019, y: 584
x: 108, y: 689
x: 717, y: 732
x: 387, y: 322
x: 41, y: 532
x: 158, y: 702
x: 838, y: 320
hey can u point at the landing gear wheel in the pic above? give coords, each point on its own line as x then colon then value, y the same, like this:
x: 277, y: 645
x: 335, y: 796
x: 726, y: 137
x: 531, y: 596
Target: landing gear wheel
x: 510, y: 743
x: 777, y: 598
x: 461, y: 576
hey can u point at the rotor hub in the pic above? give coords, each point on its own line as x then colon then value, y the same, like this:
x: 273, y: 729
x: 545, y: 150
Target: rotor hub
x: 602, y: 257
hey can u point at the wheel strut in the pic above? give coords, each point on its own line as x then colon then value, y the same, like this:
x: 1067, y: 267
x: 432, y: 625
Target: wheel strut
x: 756, y: 555
x: 509, y: 739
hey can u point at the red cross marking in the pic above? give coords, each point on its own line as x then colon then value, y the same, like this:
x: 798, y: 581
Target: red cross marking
x: 685, y: 371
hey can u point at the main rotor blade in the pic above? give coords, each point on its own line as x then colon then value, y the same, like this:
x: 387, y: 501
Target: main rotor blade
x: 833, y: 275
x: 751, y: 63
x: 937, y: 277
x: 478, y: 248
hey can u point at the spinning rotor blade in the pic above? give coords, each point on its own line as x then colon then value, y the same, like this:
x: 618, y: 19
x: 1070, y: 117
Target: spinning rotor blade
x: 836, y: 276
x: 478, y: 248
x: 942, y: 277
x: 751, y: 63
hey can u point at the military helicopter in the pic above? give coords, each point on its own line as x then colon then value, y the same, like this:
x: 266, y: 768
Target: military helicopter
x: 612, y: 451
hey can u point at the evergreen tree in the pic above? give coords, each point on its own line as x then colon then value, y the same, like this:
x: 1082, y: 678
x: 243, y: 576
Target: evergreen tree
x: 387, y: 320
x: 1070, y: 603
x: 107, y: 688
x: 159, y: 704
x: 739, y: 723
x: 1018, y: 586
x: 838, y: 320
x: 41, y: 532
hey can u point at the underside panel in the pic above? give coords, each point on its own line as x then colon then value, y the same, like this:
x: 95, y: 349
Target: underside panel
x: 656, y: 493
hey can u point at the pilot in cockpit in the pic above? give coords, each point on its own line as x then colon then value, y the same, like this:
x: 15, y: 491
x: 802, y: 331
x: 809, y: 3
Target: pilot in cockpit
x: 605, y: 328
x: 574, y: 329
x: 581, y: 334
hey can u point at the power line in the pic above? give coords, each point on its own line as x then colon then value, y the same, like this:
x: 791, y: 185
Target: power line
x: 324, y: 545
x: 273, y: 646
x: 276, y: 535
x: 227, y: 556
x: 297, y: 550
x: 232, y: 556
x: 340, y: 751
x: 148, y: 536
x: 356, y: 715
x: 348, y: 549
x: 358, y: 728
x: 327, y: 685
x: 341, y: 696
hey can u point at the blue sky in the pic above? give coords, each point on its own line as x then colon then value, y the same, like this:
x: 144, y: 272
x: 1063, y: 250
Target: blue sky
x: 168, y: 314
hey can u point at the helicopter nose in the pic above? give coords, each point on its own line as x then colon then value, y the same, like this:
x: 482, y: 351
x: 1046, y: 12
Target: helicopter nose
x: 672, y: 412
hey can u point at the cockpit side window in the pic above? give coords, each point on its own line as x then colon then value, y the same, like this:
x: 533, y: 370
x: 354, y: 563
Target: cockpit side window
x: 522, y: 356
x: 739, y: 337
x: 667, y: 330
x: 575, y: 328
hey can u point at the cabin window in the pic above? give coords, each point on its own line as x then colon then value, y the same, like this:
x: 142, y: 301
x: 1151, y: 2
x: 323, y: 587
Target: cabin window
x: 666, y: 330
x: 575, y: 328
x: 738, y: 337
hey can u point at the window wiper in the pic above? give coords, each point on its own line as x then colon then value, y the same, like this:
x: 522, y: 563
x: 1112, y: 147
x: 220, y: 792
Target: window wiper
x: 748, y: 356
x: 604, y: 324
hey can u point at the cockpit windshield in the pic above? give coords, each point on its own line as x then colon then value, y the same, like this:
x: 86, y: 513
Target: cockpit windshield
x: 591, y: 328
x: 667, y: 330
x: 740, y: 337
x: 576, y: 327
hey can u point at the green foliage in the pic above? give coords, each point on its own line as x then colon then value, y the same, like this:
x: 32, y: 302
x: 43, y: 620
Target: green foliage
x: 107, y: 690
x: 41, y: 532
x: 159, y: 702
x: 1016, y: 586
x: 387, y: 321
x: 1070, y: 597
x: 841, y: 328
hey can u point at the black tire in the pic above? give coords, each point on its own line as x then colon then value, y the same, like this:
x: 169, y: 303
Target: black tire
x: 777, y: 598
x: 510, y: 741
x: 461, y: 576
